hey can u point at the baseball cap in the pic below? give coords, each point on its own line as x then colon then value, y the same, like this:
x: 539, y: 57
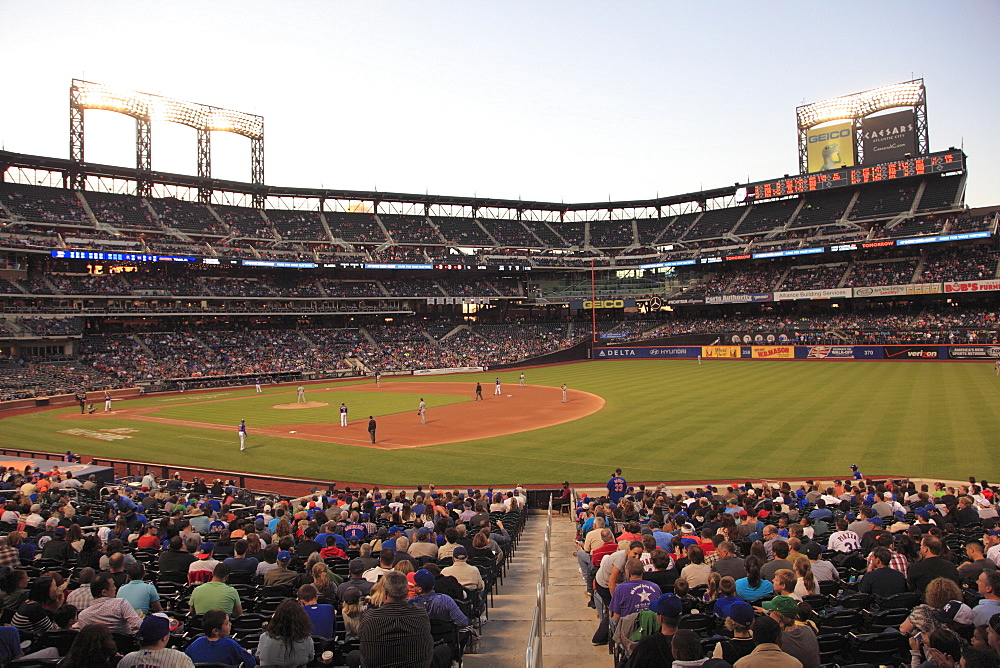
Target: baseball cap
x: 153, y: 628
x: 668, y: 606
x: 741, y: 613
x: 887, y: 496
x: 922, y: 512
x: 460, y: 551
x: 687, y: 527
x: 284, y: 555
x: 995, y: 622
x: 423, y: 531
x: 783, y: 605
x: 812, y: 550
x: 954, y: 611
x: 396, y: 529
x: 352, y: 595
x: 60, y: 531
x: 424, y: 579
x: 204, y: 552
x: 356, y: 567
x: 877, y: 521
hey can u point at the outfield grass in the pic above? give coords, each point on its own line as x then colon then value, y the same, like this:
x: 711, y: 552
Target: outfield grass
x: 663, y: 420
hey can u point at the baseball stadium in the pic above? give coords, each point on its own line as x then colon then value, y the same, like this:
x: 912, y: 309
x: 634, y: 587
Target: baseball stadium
x: 534, y: 406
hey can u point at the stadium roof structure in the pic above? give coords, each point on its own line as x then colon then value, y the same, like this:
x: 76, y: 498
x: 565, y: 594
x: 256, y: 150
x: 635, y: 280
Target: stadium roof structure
x: 74, y: 171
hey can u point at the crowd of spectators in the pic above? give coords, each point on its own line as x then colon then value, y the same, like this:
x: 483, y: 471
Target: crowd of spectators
x: 50, y: 326
x: 779, y: 574
x: 611, y: 234
x: 815, y: 277
x: 175, y: 573
x: 960, y: 264
x: 882, y: 273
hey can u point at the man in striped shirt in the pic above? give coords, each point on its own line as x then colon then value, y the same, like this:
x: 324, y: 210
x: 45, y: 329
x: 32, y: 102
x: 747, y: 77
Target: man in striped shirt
x: 397, y: 633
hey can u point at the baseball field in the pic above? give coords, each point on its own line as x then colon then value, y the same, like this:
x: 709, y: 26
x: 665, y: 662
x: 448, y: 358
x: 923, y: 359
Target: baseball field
x: 657, y: 420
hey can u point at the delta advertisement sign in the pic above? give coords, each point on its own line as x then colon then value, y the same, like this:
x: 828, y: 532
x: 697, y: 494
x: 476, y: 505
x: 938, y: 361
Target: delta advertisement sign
x: 643, y: 352
x: 970, y: 352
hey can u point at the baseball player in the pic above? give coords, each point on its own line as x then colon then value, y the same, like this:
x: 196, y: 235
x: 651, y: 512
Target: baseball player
x: 302, y: 395
x: 107, y: 402
x: 522, y: 379
x: 565, y: 399
x: 479, y: 392
x: 496, y: 391
x: 242, y: 430
x: 343, y: 415
x: 257, y: 386
x: 378, y: 379
x: 422, y: 411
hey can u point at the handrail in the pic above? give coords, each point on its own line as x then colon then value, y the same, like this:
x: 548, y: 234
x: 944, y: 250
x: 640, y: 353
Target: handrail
x: 533, y: 651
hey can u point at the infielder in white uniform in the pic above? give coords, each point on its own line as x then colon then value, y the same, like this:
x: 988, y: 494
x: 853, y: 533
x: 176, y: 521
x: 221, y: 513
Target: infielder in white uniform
x: 257, y: 386
x: 496, y: 391
x: 302, y: 395
x: 107, y: 402
x: 565, y: 399
x: 242, y: 429
x: 343, y: 415
x: 522, y: 379
x: 422, y: 411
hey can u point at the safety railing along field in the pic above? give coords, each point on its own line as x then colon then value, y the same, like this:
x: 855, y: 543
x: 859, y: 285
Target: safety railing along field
x: 533, y: 652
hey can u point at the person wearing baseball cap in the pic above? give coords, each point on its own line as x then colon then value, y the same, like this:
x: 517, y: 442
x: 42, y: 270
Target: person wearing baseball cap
x: 739, y: 617
x: 798, y: 641
x: 356, y: 579
x: 282, y: 574
x: 468, y: 576
x: 654, y: 650
x: 153, y: 636
x: 438, y: 606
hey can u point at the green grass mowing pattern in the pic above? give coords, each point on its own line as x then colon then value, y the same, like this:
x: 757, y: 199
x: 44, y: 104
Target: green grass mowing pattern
x: 663, y: 420
x: 256, y: 408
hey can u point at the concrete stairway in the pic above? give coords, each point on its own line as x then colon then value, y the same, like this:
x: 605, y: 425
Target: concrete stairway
x: 570, y: 625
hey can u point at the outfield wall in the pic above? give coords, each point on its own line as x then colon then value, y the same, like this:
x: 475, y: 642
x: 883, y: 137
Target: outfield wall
x: 971, y: 352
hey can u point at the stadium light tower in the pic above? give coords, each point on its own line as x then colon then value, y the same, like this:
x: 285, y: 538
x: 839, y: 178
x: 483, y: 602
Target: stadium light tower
x: 146, y: 108
x: 857, y: 107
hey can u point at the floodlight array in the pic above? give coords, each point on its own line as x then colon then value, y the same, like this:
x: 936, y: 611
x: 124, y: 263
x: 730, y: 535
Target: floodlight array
x: 859, y: 105
x: 145, y: 106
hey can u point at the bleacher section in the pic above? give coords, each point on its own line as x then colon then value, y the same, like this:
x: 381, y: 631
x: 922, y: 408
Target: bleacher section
x: 44, y: 205
x: 611, y: 234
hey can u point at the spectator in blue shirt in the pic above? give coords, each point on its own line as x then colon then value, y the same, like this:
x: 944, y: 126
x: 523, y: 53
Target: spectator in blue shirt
x: 216, y: 646
x: 438, y: 606
x: 322, y: 615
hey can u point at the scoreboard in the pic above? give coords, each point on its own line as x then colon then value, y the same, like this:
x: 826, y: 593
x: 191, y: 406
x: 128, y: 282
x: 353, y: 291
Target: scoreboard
x: 934, y: 163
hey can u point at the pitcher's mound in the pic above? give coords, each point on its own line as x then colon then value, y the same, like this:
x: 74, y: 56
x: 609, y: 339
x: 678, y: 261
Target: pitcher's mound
x: 308, y: 404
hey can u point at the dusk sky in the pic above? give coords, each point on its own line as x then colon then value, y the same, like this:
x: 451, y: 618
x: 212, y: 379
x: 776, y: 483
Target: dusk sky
x: 556, y: 101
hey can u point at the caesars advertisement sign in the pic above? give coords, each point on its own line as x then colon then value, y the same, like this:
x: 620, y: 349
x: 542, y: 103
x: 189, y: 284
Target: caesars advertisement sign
x: 830, y: 147
x: 889, y: 138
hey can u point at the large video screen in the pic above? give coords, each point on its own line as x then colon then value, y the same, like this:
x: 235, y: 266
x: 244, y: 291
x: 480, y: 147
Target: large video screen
x: 830, y: 147
x: 889, y: 137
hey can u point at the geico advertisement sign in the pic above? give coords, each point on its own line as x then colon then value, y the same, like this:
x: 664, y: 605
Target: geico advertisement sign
x: 603, y: 303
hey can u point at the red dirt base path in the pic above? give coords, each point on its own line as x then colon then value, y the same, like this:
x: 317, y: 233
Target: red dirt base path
x: 525, y: 409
